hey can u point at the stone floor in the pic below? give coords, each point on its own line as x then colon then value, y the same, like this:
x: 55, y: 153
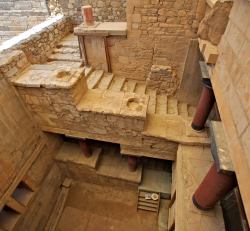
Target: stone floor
x: 98, y: 208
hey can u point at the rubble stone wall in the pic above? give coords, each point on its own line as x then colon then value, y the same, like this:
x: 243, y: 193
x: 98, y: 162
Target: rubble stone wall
x: 39, y: 44
x: 56, y: 108
x: 18, y: 16
x: 231, y: 85
x: 112, y: 10
x: 163, y: 79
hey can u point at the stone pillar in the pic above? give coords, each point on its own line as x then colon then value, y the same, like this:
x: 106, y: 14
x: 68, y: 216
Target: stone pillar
x: 87, y: 14
x: 85, y: 148
x: 213, y: 188
x: 204, y: 107
x: 132, y: 163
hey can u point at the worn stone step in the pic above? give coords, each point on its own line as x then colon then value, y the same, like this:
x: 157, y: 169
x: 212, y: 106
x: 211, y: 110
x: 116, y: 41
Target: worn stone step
x: 183, y: 109
x: 161, y: 104
x: 65, y: 57
x: 94, y: 78
x: 117, y: 84
x: 88, y: 70
x: 172, y: 106
x: 129, y: 85
x: 66, y: 50
x: 152, y: 101
x: 191, y: 110
x: 105, y: 81
x: 69, y: 41
x: 140, y: 88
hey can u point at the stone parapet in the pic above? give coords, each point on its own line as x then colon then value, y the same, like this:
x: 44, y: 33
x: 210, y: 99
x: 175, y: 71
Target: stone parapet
x: 37, y: 43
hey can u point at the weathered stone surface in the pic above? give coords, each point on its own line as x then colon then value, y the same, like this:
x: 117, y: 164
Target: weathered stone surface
x: 213, y: 26
x: 18, y: 16
x: 113, y: 10
x: 163, y: 79
x: 39, y: 44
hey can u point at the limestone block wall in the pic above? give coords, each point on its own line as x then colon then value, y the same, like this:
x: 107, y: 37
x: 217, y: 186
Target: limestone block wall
x: 38, y: 43
x: 232, y: 88
x: 158, y: 33
x: 18, y: 16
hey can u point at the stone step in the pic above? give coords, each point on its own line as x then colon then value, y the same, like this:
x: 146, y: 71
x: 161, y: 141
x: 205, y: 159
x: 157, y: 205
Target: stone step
x: 129, y: 85
x: 88, y: 71
x: 183, y: 109
x: 105, y: 82
x: 69, y: 41
x: 152, y: 101
x: 94, y: 78
x: 156, y: 181
x: 66, y: 50
x: 161, y: 104
x: 172, y: 106
x: 55, y: 65
x: 71, y: 153
x: 191, y: 111
x: 140, y: 88
x: 114, y: 165
x: 65, y: 57
x: 117, y: 84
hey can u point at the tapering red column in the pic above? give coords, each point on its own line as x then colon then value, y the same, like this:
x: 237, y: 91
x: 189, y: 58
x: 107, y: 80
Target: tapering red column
x: 213, y: 188
x: 204, y: 107
x: 132, y: 163
x: 85, y: 148
x: 87, y: 14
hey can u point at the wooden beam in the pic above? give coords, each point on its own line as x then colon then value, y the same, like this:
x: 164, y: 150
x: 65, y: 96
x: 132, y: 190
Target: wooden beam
x: 15, y: 205
x: 22, y: 172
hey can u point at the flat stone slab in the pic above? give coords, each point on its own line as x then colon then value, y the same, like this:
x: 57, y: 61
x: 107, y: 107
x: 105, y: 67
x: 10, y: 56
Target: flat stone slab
x: 173, y: 128
x: 114, y: 165
x: 117, y: 103
x: 104, y: 28
x: 56, y: 77
x: 219, y: 148
x: 71, y: 152
x: 156, y: 181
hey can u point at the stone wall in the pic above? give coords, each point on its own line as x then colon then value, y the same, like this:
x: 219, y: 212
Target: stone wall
x: 38, y: 42
x: 214, y: 24
x: 18, y: 16
x: 231, y: 84
x: 163, y: 79
x: 20, y: 135
x: 158, y: 33
x: 112, y: 10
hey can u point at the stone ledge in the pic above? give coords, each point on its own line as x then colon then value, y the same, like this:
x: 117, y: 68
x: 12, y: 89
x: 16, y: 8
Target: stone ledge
x: 105, y: 28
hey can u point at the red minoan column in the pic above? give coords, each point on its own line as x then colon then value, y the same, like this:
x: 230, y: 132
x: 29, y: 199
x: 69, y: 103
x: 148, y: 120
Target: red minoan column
x: 132, y: 163
x: 213, y: 188
x: 85, y: 148
x: 87, y: 14
x: 204, y: 108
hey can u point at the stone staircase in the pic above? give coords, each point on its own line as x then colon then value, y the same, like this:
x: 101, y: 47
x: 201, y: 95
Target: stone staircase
x: 68, y: 50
